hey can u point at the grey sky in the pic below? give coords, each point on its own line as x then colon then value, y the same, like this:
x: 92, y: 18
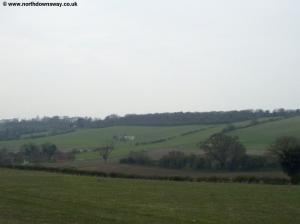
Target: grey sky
x: 143, y: 56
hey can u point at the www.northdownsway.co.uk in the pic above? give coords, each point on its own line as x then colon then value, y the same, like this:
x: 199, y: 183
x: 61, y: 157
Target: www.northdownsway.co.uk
x: 39, y: 4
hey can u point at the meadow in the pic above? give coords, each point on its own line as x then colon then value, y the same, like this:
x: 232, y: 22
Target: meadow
x: 36, y: 197
x: 92, y: 138
x: 256, y: 138
x: 262, y: 135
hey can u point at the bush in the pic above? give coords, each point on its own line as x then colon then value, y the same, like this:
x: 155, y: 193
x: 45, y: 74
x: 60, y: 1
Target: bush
x: 174, y: 160
x: 257, y: 162
x: 140, y: 158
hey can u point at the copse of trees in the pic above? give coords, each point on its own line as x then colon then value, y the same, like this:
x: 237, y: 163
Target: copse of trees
x: 287, y: 150
x: 32, y: 153
x: 221, y: 152
x: 38, y: 153
x: 180, y: 160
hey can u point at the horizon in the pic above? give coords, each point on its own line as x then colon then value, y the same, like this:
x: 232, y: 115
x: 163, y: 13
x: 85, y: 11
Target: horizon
x: 123, y: 115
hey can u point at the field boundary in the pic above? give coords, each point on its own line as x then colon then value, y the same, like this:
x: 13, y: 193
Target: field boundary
x: 155, y: 141
x: 211, y: 179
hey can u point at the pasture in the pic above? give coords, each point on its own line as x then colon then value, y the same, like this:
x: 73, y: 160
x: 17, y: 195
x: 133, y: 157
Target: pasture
x: 163, y: 139
x: 35, y: 197
x: 262, y: 135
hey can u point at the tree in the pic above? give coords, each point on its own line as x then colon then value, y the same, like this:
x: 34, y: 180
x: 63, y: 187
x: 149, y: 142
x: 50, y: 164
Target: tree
x: 31, y: 152
x: 287, y: 150
x: 48, y: 149
x: 105, y: 151
x: 224, y: 152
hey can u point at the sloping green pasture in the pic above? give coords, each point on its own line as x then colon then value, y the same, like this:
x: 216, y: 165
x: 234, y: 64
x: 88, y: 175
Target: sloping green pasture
x: 256, y: 138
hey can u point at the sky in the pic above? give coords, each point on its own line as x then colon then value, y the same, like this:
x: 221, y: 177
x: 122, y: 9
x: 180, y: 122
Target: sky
x: 136, y: 56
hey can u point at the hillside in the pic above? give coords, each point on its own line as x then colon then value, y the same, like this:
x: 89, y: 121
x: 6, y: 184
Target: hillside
x: 256, y: 138
x: 31, y: 197
x: 90, y: 138
x: 260, y: 136
x: 13, y: 129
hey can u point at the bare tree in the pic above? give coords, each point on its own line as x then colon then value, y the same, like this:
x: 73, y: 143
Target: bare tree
x: 105, y: 151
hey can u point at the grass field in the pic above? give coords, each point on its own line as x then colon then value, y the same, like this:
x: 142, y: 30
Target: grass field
x: 31, y: 197
x: 256, y: 138
x: 262, y: 135
x: 91, y: 138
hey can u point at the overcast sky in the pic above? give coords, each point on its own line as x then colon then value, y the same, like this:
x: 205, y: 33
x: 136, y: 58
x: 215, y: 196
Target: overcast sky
x: 141, y: 56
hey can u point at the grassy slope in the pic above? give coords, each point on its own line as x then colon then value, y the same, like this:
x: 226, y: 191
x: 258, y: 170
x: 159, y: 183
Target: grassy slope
x: 95, y: 137
x: 255, y: 138
x: 261, y: 136
x: 38, y: 197
x: 90, y: 138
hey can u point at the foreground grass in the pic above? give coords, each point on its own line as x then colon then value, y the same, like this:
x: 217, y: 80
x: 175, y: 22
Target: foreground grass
x: 39, y: 197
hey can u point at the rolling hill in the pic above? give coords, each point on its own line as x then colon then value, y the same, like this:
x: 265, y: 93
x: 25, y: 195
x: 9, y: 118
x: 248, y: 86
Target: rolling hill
x: 144, y: 137
x: 256, y: 138
x: 260, y: 136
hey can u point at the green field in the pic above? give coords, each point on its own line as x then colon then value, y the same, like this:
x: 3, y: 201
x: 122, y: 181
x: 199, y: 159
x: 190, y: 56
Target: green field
x: 91, y: 138
x: 256, y: 138
x: 31, y: 197
x: 262, y: 135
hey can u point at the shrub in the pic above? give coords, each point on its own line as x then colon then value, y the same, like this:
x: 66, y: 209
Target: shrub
x: 259, y: 162
x: 173, y: 160
x: 140, y: 158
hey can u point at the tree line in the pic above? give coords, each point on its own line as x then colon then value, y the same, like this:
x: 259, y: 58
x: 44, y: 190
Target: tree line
x: 186, y: 118
x: 31, y: 154
x: 226, y: 153
x: 38, y: 127
x: 16, y: 129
